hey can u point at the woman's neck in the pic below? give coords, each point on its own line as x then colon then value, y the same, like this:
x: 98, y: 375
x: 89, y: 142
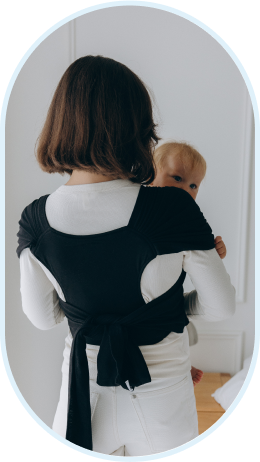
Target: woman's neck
x: 84, y: 177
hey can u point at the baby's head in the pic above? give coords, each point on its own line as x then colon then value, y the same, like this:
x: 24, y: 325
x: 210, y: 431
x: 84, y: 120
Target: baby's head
x: 179, y: 165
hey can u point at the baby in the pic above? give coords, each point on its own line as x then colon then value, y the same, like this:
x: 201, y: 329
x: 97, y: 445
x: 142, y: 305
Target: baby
x: 182, y: 166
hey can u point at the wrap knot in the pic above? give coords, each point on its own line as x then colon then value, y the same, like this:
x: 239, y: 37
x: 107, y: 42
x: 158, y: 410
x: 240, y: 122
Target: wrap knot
x: 119, y: 360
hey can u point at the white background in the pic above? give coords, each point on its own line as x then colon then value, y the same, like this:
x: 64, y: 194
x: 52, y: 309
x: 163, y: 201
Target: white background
x: 199, y: 96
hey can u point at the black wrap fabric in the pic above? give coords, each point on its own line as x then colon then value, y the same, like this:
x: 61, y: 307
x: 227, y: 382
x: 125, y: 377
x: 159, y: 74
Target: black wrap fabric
x: 100, y: 277
x: 119, y: 361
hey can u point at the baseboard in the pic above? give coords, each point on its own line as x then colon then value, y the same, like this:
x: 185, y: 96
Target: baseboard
x: 218, y: 352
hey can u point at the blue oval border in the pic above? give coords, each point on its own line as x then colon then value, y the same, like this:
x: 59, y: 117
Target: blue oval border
x: 2, y: 136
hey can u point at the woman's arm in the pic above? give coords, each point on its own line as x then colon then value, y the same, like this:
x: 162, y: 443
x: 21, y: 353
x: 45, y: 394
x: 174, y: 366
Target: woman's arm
x: 214, y: 297
x: 39, y: 291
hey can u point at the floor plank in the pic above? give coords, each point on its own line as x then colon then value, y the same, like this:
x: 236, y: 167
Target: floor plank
x: 207, y: 419
x: 224, y: 378
x: 209, y: 411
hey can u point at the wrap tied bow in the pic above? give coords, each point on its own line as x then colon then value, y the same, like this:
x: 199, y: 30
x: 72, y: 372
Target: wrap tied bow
x: 119, y: 362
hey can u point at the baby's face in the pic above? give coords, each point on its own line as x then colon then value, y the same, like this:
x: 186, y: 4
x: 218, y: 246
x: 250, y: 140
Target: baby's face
x: 174, y: 174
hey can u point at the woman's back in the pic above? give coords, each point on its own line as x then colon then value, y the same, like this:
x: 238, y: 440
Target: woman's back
x: 93, y: 209
x: 99, y: 208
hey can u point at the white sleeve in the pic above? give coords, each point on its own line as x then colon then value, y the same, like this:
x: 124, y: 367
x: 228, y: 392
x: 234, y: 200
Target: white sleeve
x: 214, y: 297
x: 39, y: 292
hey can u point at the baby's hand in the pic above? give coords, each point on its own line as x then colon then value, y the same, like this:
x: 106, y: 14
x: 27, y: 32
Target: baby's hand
x: 220, y: 247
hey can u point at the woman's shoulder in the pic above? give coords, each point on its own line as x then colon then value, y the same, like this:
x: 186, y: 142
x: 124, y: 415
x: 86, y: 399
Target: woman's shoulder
x: 31, y: 223
x: 171, y: 219
x: 32, y: 213
x: 170, y: 193
x: 164, y: 201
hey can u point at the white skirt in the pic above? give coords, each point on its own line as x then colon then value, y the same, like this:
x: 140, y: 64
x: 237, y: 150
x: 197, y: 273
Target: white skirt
x: 155, y: 417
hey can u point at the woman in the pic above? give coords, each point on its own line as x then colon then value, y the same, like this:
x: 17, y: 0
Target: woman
x: 111, y: 256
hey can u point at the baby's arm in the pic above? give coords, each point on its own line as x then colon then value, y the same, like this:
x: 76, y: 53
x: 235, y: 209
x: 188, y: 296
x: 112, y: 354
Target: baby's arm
x: 220, y: 247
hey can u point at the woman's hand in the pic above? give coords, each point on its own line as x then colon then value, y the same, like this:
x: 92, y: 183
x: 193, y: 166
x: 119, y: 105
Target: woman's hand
x: 220, y: 247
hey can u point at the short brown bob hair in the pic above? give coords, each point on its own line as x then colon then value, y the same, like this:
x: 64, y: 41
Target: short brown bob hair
x: 100, y: 120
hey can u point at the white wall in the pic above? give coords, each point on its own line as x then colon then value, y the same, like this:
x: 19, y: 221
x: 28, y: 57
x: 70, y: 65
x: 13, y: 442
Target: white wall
x: 200, y: 97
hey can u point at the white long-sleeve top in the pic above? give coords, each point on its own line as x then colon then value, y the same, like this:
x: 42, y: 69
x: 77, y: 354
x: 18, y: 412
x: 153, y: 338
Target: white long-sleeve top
x: 101, y: 207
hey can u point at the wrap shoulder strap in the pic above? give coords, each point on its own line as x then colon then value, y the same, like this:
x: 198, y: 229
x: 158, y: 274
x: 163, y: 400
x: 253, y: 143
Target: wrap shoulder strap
x: 170, y: 218
x: 31, y: 224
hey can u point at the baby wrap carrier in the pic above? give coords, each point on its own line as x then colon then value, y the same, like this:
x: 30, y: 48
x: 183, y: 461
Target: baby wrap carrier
x: 100, y: 278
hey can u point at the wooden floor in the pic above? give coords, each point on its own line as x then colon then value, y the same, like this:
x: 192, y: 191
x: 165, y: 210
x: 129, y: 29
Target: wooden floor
x: 209, y: 411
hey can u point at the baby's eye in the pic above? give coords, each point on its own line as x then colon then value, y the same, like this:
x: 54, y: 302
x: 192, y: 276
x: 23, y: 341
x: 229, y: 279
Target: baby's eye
x: 193, y: 186
x: 177, y: 178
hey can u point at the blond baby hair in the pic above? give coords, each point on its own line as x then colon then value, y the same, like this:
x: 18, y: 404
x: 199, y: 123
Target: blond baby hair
x: 184, y: 151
